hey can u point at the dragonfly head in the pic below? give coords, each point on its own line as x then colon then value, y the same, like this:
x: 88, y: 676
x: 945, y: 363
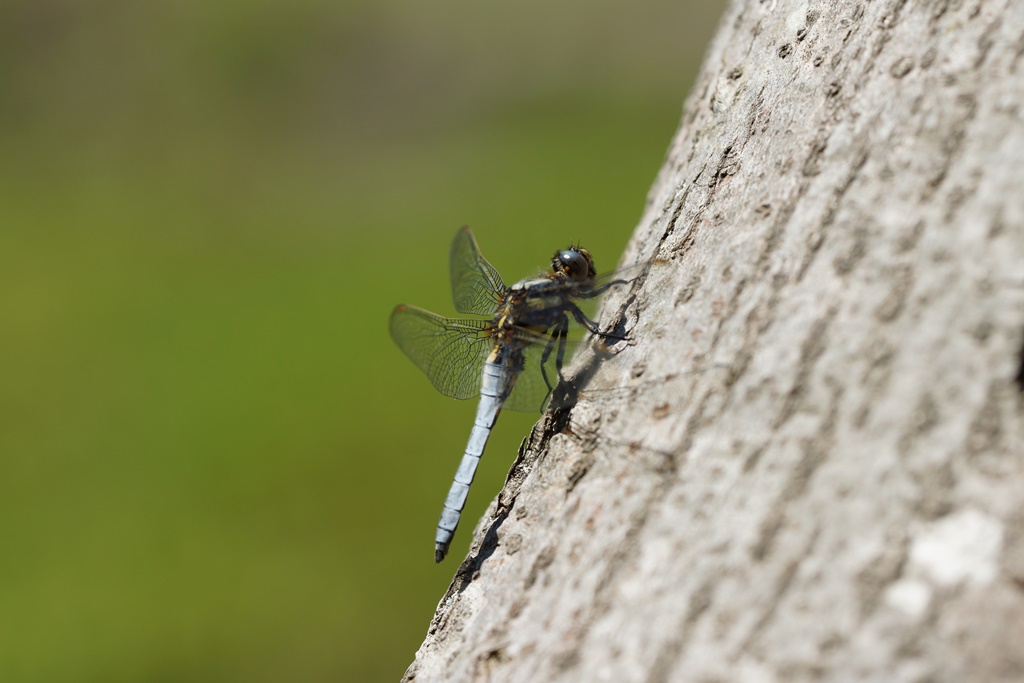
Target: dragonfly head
x: 573, y: 263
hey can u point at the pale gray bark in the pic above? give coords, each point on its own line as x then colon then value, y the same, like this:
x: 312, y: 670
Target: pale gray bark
x: 812, y: 467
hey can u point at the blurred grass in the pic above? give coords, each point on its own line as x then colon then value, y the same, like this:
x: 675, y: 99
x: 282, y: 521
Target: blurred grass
x: 216, y: 466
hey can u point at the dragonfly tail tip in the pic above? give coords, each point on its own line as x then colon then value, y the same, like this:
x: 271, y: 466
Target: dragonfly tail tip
x: 439, y: 552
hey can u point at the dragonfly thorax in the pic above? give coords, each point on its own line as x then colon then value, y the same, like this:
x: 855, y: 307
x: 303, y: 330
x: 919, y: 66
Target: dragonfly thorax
x: 525, y: 307
x: 536, y: 305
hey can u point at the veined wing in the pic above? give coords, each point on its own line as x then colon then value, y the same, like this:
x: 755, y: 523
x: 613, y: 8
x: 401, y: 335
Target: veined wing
x: 619, y: 280
x: 531, y: 391
x: 450, y: 351
x: 476, y: 284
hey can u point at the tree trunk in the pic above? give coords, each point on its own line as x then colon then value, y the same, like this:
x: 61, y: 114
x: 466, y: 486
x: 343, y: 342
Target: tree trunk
x: 811, y: 466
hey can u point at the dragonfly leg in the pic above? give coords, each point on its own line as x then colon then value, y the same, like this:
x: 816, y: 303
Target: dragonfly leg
x: 558, y: 337
x: 560, y: 358
x: 598, y: 291
x: 578, y: 315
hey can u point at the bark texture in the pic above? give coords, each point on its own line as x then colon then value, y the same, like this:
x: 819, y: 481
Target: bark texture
x: 808, y: 463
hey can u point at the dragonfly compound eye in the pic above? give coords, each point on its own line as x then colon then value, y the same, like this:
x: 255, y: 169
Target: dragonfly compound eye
x: 576, y: 264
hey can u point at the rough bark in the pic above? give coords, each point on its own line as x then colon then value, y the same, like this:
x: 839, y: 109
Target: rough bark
x: 812, y: 464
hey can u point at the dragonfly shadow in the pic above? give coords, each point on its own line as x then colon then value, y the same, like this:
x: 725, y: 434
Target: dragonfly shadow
x: 470, y: 568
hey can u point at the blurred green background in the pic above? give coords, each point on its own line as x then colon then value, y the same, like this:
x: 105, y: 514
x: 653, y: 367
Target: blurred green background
x: 214, y: 464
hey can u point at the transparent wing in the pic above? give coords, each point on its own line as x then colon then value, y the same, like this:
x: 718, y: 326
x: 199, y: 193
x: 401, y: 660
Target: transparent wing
x: 476, y: 285
x: 532, y: 391
x: 450, y: 351
x: 618, y: 281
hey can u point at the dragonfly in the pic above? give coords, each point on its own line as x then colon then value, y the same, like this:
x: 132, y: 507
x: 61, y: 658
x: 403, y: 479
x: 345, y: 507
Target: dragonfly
x: 506, y: 355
